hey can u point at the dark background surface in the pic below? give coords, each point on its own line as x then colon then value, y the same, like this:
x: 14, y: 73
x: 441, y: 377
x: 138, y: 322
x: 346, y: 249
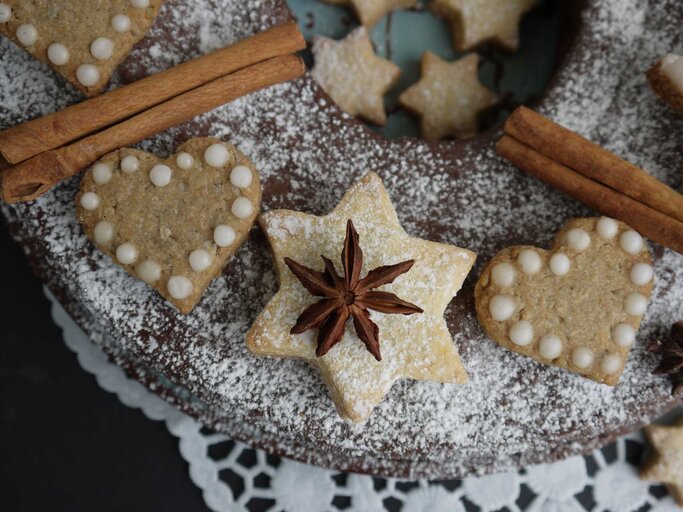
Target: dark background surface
x: 65, y: 443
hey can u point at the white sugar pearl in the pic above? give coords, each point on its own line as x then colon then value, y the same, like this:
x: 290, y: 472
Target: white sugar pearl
x: 224, y: 235
x: 101, y: 173
x: 126, y: 253
x: 607, y: 228
x: 58, y: 54
x: 560, y: 264
x: 120, y: 23
x: 179, y: 287
x: 530, y: 261
x: 90, y: 201
x: 88, y: 74
x: 240, y: 176
x: 242, y: 208
x: 521, y: 333
x: 503, y: 275
x: 184, y: 161
x: 27, y: 34
x: 216, y: 155
x: 200, y: 260
x: 641, y: 274
x: 582, y: 357
x: 550, y: 346
x: 624, y: 335
x: 140, y: 4
x: 669, y: 59
x: 103, y: 232
x: 635, y: 304
x: 130, y: 164
x: 610, y: 364
x: 160, y: 175
x: 501, y: 307
x: 631, y: 242
x: 5, y: 13
x: 102, y: 48
x: 578, y: 239
x: 149, y: 271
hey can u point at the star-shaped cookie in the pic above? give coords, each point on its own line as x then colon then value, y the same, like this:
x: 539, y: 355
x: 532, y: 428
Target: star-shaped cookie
x: 449, y: 97
x: 354, y: 77
x: 371, y: 11
x: 478, y: 21
x: 417, y: 346
x: 666, y: 460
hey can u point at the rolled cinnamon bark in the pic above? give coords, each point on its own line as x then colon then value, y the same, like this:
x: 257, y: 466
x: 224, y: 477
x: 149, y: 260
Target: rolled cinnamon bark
x: 54, y: 130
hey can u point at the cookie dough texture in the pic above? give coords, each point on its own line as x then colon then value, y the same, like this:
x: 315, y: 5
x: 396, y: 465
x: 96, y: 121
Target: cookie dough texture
x: 665, y: 463
x: 166, y: 224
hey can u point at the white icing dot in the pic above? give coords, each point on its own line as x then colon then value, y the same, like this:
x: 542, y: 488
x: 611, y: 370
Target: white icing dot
x: 5, y: 13
x: 140, y: 4
x: 126, y: 253
x: 120, y: 23
x: 103, y: 232
x: 90, y: 201
x: 550, y: 346
x: 624, y: 335
x: 216, y: 155
x: 582, y: 357
x: 672, y: 67
x: 641, y: 274
x: 179, y: 287
x: 101, y: 173
x: 130, y: 164
x: 223, y: 235
x: 501, y: 307
x: 27, y: 34
x: 242, y: 208
x: 559, y: 264
x: 58, y: 54
x: 160, y: 175
x: 102, y: 48
x: 635, y: 304
x: 610, y: 364
x: 530, y: 261
x: 521, y: 333
x: 200, y: 260
x: 184, y: 161
x: 669, y: 59
x: 578, y: 239
x: 240, y: 176
x: 149, y: 271
x: 88, y: 74
x: 631, y: 242
x: 607, y: 228
x: 503, y: 275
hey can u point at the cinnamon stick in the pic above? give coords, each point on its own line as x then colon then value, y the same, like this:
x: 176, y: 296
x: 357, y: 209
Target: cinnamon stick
x: 570, y: 149
x: 652, y: 223
x: 34, y: 177
x: 54, y: 130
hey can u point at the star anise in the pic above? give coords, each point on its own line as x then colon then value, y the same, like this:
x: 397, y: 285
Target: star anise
x: 348, y: 297
x: 671, y: 350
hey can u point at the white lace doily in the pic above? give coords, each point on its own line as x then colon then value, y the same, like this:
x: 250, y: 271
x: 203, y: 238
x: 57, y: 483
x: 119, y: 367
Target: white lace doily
x: 234, y: 477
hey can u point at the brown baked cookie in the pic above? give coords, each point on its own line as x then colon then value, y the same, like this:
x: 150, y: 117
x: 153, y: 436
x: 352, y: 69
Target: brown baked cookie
x: 664, y: 464
x: 82, y: 41
x: 666, y: 80
x: 578, y: 305
x: 371, y: 11
x: 173, y: 223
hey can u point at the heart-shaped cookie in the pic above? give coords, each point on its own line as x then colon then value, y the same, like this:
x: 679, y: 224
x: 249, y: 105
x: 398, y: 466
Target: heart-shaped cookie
x: 577, y: 306
x: 173, y: 223
x: 83, y: 41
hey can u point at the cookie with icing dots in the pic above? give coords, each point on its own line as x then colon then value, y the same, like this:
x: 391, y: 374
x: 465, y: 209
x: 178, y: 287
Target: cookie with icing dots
x: 666, y: 80
x: 578, y: 305
x: 82, y: 41
x: 172, y: 223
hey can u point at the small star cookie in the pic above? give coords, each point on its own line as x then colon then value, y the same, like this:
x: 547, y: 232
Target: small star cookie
x: 414, y: 344
x: 449, y: 97
x: 478, y: 21
x: 666, y: 461
x: 371, y: 11
x: 354, y: 77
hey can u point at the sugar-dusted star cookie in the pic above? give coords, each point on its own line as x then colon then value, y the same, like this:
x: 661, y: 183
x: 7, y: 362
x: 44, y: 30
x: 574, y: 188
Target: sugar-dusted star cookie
x: 371, y: 11
x: 373, y: 314
x: 449, y: 97
x: 478, y: 21
x: 353, y: 75
x: 665, y: 463
x: 666, y: 80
